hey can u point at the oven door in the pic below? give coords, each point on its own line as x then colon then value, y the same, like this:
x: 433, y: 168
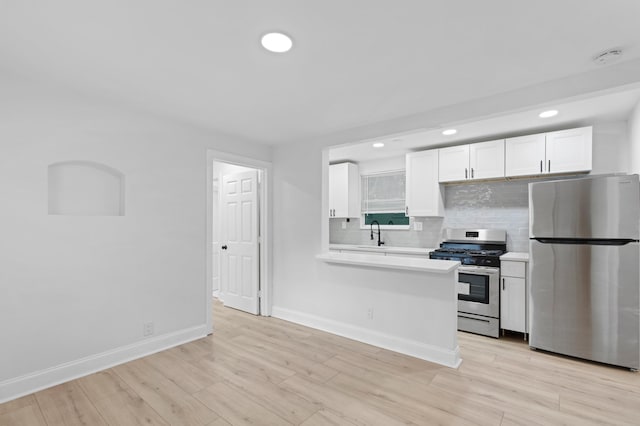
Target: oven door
x: 479, y: 290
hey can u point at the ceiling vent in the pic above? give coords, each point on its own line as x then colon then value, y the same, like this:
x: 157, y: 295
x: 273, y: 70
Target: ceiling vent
x: 607, y: 57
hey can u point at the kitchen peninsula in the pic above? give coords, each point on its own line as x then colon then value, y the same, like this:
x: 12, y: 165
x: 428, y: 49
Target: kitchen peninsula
x: 405, y: 304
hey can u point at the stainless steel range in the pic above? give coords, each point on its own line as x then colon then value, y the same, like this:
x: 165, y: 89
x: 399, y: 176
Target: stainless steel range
x: 479, y: 251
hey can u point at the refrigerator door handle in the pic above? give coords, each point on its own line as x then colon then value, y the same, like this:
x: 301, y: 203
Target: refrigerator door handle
x: 586, y: 241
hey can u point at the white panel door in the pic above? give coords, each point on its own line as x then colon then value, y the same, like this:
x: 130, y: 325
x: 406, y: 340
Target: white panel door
x: 486, y: 159
x: 239, y: 273
x: 525, y: 155
x: 453, y: 163
x: 569, y: 150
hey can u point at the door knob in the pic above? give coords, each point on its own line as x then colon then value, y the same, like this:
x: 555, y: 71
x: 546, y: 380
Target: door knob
x: 224, y: 247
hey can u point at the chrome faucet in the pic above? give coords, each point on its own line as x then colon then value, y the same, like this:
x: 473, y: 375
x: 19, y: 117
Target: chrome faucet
x: 377, y: 223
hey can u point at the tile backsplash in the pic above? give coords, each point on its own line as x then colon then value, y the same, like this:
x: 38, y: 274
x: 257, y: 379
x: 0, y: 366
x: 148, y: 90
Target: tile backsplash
x: 496, y: 205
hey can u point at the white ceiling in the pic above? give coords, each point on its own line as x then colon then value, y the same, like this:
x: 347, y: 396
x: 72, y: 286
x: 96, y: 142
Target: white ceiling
x: 354, y: 63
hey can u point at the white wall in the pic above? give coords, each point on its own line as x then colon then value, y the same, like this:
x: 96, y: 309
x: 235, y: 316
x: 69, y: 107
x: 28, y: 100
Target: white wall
x: 634, y: 138
x: 76, y: 290
x: 381, y: 165
x: 611, y: 147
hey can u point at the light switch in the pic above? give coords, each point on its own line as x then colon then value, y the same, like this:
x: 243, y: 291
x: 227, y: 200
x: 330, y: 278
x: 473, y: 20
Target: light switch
x: 417, y: 226
x: 344, y: 224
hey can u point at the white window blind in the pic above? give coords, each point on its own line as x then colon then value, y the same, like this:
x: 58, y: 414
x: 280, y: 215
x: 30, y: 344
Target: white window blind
x: 384, y: 192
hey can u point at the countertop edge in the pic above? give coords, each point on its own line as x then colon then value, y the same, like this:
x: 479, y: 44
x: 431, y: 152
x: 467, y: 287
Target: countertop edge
x: 383, y: 249
x: 515, y: 256
x: 391, y: 262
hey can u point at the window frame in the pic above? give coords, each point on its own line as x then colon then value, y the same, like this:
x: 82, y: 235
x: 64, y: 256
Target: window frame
x: 362, y: 212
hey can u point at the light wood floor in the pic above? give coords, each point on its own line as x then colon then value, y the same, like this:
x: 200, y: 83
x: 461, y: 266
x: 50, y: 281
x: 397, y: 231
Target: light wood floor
x: 264, y: 371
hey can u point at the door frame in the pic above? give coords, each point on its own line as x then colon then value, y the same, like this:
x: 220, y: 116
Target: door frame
x: 264, y: 205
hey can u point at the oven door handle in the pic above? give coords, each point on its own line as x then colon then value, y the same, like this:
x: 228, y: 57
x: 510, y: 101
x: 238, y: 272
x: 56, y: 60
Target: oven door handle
x: 479, y: 271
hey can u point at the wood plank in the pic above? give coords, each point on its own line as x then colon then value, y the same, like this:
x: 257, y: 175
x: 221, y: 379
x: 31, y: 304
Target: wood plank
x: 236, y: 408
x: 235, y: 357
x: 346, y: 406
x: 116, y: 402
x: 253, y: 383
x: 18, y: 403
x: 181, y: 372
x: 412, y: 392
x: 398, y: 405
x: 326, y: 418
x: 312, y: 370
x: 27, y: 415
x: 68, y: 404
x: 127, y: 408
x: 169, y: 400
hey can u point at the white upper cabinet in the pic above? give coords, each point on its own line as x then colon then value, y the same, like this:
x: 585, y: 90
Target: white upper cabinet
x: 565, y: 151
x: 453, y: 163
x: 525, y: 155
x: 483, y: 160
x: 569, y: 150
x: 344, y: 199
x: 486, y: 159
x: 423, y: 191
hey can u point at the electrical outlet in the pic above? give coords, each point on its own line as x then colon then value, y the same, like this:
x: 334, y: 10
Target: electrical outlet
x: 370, y: 313
x: 344, y: 224
x: 417, y: 226
x: 147, y: 329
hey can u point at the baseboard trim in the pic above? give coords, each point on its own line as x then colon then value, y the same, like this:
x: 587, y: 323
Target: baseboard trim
x: 405, y: 346
x: 33, y: 382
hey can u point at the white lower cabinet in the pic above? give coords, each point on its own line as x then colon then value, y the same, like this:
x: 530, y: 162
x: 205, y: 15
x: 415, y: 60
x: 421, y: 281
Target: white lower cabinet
x: 513, y: 296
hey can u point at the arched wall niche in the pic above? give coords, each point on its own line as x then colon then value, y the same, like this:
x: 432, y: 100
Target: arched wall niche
x: 85, y: 188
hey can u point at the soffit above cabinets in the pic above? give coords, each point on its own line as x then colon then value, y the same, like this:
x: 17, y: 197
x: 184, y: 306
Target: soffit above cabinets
x: 574, y: 113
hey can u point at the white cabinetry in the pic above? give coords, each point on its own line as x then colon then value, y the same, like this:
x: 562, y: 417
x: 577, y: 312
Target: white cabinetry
x: 513, y: 296
x: 453, y: 163
x: 423, y: 191
x: 484, y: 160
x: 569, y: 150
x: 565, y: 151
x: 344, y: 199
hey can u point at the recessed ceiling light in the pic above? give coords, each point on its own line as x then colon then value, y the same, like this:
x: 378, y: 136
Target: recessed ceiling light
x: 547, y: 114
x: 449, y: 132
x: 277, y: 42
x: 378, y: 145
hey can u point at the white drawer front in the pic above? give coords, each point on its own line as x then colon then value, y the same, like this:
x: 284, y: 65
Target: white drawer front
x: 512, y: 269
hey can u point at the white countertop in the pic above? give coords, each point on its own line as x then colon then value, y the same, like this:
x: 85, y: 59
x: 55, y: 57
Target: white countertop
x: 391, y: 262
x: 516, y: 256
x: 381, y: 249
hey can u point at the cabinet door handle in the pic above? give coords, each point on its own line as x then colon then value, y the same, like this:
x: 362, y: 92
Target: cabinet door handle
x: 503, y: 283
x: 465, y: 173
x: 406, y: 211
x: 540, y: 166
x: 549, y: 169
x: 472, y: 173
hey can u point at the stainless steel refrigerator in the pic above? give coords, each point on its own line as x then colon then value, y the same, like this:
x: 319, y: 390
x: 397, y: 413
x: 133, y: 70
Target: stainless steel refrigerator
x: 584, y: 268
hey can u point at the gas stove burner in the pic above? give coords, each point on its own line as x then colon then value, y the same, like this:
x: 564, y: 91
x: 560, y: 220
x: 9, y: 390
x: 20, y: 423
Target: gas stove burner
x: 472, y: 247
x: 486, y: 252
x: 451, y: 251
